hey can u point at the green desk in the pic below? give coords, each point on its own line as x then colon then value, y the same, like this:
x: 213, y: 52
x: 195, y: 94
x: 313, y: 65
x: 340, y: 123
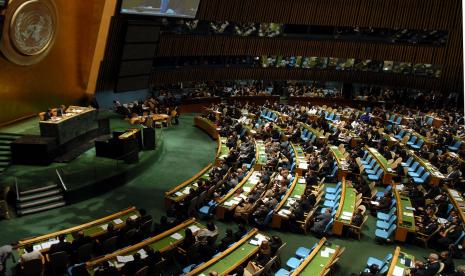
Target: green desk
x: 387, y: 170
x: 232, y: 199
x: 315, y: 264
x: 346, y: 210
x: 300, y: 160
x: 178, y: 193
x: 405, y: 217
x: 295, y: 192
x: 341, y: 161
x: 398, y: 262
x: 162, y: 242
x: 224, y: 150
x: 92, y: 229
x: 229, y: 259
x: 260, y: 155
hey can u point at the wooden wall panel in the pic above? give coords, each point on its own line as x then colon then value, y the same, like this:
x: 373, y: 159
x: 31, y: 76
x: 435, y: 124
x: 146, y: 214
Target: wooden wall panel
x: 415, y: 14
x: 205, y: 74
x: 195, y: 45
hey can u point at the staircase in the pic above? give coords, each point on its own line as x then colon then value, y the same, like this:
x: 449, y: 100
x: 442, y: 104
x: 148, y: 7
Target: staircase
x: 5, y: 152
x: 39, y: 199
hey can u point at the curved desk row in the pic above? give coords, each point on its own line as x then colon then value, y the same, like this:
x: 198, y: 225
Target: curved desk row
x: 228, y: 260
x: 92, y: 229
x: 163, y: 242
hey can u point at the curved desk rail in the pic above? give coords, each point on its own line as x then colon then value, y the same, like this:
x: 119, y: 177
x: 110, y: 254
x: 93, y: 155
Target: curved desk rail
x: 346, y: 208
x: 228, y: 260
x: 162, y: 242
x: 207, y: 125
x: 178, y: 193
x: 232, y: 198
x: 398, y: 260
x: 318, y: 262
x: 92, y: 229
x: 295, y: 191
x: 341, y: 161
x: 405, y: 216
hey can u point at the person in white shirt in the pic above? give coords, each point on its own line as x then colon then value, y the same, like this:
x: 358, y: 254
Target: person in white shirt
x: 30, y: 254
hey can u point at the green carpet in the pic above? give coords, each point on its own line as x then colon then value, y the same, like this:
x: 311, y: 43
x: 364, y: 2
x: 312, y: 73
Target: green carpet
x: 185, y: 150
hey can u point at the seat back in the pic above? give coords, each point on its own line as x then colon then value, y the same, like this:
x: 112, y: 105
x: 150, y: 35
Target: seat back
x: 380, y: 171
x: 32, y: 268
x: 414, y: 166
x: 420, y: 170
x: 401, y: 133
x: 84, y: 252
x: 399, y: 120
x: 143, y: 271
x: 387, y: 258
x: 59, y: 262
x: 425, y: 176
x: 109, y: 245
x: 413, y: 139
x: 393, y: 211
x: 392, y: 229
x: 409, y: 161
x: 420, y: 142
x: 460, y: 238
x: 392, y: 220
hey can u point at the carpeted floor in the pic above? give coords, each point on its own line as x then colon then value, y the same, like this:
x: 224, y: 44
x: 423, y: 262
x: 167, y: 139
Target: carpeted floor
x: 185, y: 150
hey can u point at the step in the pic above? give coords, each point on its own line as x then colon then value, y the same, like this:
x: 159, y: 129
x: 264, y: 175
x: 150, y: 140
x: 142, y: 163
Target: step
x: 5, y: 158
x: 36, y: 196
x: 5, y: 148
x: 4, y: 137
x: 39, y: 202
x: 41, y: 208
x: 37, y: 190
x: 5, y: 153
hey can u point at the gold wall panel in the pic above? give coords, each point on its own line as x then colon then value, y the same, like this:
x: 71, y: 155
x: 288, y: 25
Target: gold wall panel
x: 62, y: 76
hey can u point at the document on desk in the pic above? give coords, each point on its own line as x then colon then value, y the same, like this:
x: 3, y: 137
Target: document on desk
x: 302, y: 180
x: 398, y: 271
x: 118, y: 221
x: 104, y: 227
x: 178, y: 194
x: 246, y: 189
x: 194, y: 228
x: 124, y: 259
x: 176, y: 236
x: 133, y: 217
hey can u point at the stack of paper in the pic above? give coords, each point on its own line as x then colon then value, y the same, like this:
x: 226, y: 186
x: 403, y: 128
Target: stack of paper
x: 124, y: 259
x: 133, y: 217
x: 37, y: 247
x: 142, y: 253
x: 398, y: 271
x: 302, y: 180
x: 104, y: 227
x: 194, y: 228
x: 185, y: 191
x: 246, y: 189
x: 408, y: 214
x: 178, y: 194
x: 176, y: 236
x: 118, y: 221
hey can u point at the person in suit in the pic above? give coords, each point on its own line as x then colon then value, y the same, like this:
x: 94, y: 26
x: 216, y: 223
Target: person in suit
x: 110, y: 233
x: 130, y: 268
x: 227, y: 240
x: 446, y: 259
x: 241, y: 231
x: 80, y: 240
x: 450, y: 235
x: 321, y: 221
x: 48, y: 115
x: 106, y: 270
x: 430, y: 268
x: 63, y: 245
x: 357, y: 219
x: 144, y: 217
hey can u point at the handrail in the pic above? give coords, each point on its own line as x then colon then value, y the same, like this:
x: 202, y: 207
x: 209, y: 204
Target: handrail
x: 394, y: 261
x: 225, y: 253
x: 134, y: 247
x: 17, y: 189
x: 288, y: 193
x: 309, y: 258
x: 399, y: 206
x: 343, y: 195
x: 61, y: 180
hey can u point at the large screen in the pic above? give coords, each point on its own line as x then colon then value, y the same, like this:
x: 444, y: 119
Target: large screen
x: 173, y: 8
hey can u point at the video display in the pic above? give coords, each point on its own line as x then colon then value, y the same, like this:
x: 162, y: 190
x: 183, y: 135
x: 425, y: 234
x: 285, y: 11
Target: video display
x: 171, y: 8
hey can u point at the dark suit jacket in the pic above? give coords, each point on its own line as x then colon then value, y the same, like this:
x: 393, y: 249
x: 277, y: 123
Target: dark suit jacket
x: 61, y: 246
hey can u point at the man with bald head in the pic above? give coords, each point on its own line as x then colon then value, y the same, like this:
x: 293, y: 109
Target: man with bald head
x: 430, y: 268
